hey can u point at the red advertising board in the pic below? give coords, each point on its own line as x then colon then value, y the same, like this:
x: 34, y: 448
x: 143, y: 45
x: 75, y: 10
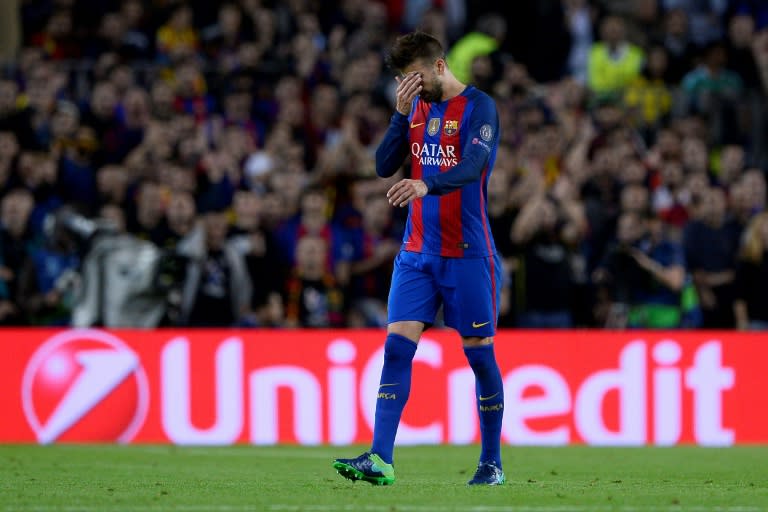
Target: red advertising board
x: 319, y: 386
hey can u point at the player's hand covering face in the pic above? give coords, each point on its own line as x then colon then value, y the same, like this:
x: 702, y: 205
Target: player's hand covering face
x: 408, y: 87
x: 419, y: 80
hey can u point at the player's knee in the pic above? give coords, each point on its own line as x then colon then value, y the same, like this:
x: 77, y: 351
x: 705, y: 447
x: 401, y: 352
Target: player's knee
x: 408, y: 329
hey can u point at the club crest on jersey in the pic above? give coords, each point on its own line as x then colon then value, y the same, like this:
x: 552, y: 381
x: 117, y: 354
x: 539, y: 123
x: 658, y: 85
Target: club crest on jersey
x: 451, y: 127
x: 433, y: 126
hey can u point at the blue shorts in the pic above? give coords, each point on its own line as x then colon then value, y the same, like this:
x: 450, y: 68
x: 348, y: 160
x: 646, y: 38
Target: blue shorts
x: 469, y: 290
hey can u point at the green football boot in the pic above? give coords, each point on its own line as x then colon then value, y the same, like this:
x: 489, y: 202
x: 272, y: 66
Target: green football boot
x: 368, y: 467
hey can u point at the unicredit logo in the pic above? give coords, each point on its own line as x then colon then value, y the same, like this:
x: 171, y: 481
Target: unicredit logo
x: 84, y: 384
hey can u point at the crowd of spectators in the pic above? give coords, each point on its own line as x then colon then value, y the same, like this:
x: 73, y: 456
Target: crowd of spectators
x: 629, y: 188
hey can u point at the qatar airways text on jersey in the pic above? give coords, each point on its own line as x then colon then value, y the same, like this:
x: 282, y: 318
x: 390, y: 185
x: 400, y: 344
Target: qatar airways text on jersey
x: 435, y: 154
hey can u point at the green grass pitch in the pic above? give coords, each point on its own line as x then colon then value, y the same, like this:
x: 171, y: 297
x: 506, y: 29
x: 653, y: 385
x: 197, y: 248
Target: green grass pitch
x: 93, y: 478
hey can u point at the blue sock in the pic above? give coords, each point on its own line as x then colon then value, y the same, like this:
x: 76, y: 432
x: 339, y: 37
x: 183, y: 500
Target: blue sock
x: 490, y: 400
x: 395, y: 385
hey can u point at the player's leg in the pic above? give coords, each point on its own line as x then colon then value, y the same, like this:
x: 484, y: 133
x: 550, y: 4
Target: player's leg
x: 489, y: 390
x: 394, y: 385
x: 413, y: 302
x: 471, y: 296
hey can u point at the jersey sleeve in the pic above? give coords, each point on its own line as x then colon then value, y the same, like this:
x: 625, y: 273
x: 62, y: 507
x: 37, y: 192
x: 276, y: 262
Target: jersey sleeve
x: 394, y: 147
x: 482, y: 138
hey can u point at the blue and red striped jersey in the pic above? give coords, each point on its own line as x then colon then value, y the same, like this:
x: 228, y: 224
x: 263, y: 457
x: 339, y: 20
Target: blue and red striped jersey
x: 453, y: 147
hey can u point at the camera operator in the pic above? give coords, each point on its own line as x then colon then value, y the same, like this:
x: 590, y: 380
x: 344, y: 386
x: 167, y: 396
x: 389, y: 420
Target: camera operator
x: 642, y: 273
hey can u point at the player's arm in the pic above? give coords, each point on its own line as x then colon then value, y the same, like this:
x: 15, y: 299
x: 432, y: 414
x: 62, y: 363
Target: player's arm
x: 466, y: 171
x: 394, y: 147
x: 483, y: 132
x: 483, y: 129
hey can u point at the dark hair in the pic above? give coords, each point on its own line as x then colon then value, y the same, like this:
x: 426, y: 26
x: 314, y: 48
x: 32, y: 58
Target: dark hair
x: 412, y: 47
